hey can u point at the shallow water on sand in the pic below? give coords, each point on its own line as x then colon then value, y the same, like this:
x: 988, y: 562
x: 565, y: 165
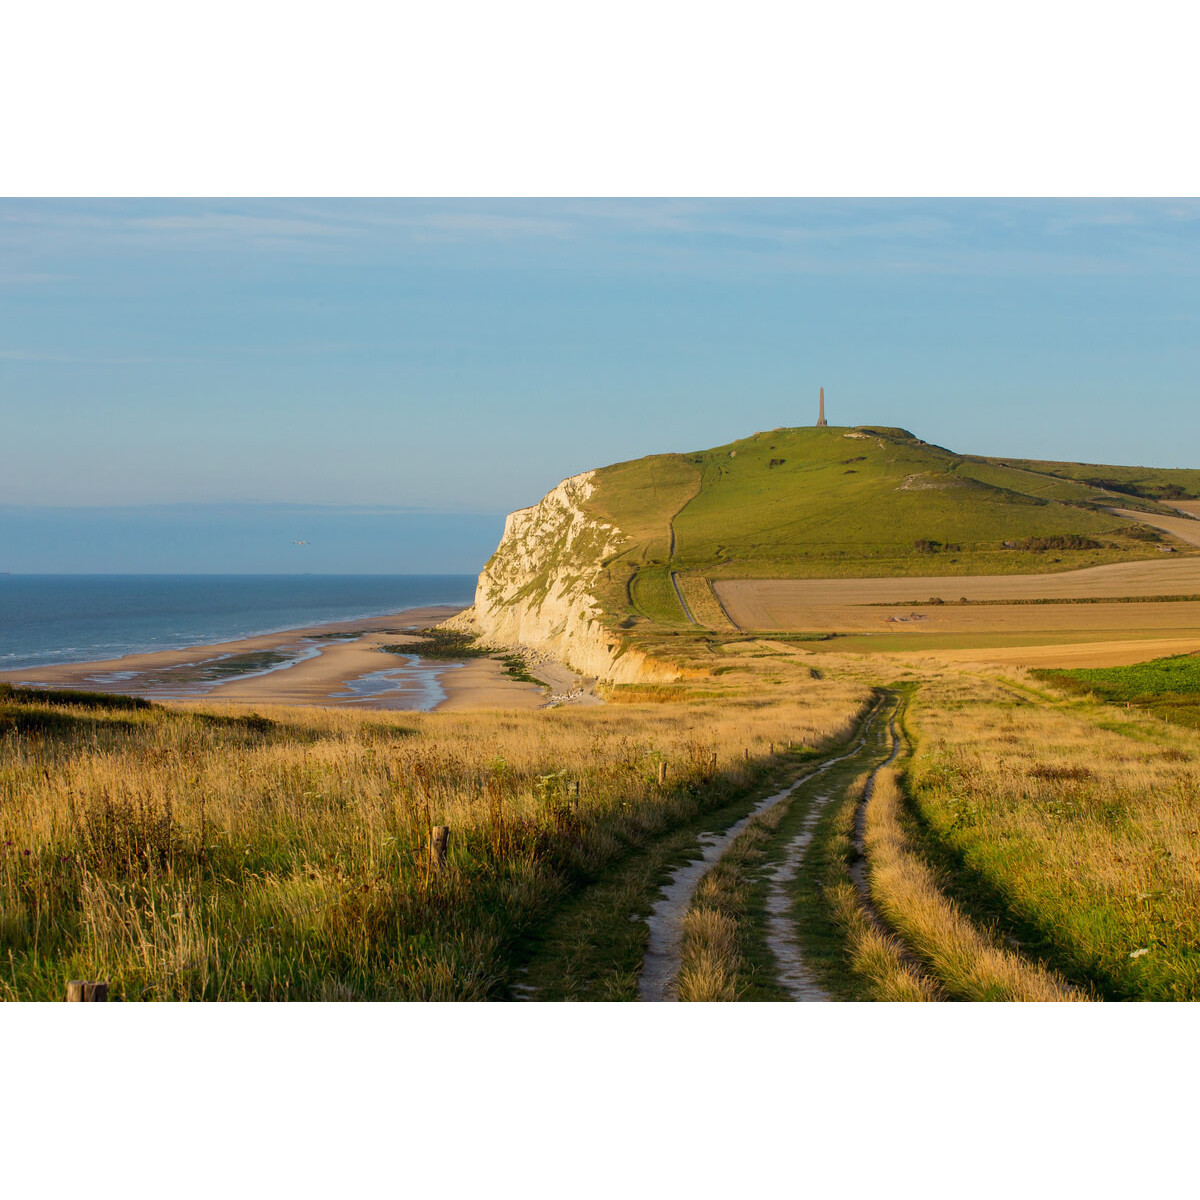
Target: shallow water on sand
x: 414, y: 686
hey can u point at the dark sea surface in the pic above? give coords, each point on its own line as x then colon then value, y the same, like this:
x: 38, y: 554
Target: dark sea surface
x: 50, y: 619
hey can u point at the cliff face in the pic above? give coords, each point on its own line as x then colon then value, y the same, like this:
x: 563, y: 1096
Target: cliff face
x: 537, y: 589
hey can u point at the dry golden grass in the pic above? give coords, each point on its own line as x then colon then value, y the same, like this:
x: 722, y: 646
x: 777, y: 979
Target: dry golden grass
x: 711, y: 961
x: 1083, y: 820
x: 966, y: 963
x: 204, y: 853
x: 875, y: 956
x: 702, y: 602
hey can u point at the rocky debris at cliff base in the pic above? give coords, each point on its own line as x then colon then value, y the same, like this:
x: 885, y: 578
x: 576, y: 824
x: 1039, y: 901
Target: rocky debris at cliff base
x: 579, y: 696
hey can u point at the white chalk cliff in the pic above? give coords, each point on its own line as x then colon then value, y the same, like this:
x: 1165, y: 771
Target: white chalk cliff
x: 537, y: 589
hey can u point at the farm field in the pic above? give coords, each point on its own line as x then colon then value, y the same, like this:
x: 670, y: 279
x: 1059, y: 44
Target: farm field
x: 1014, y: 650
x: 919, y: 622
x: 771, y: 603
x: 1167, y: 687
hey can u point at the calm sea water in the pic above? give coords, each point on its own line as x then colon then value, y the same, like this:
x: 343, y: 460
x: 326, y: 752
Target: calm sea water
x: 50, y: 619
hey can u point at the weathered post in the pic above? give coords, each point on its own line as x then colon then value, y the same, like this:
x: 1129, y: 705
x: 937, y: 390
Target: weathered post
x: 86, y: 989
x: 662, y: 772
x: 746, y: 753
x: 574, y: 795
x: 772, y: 749
x: 438, y: 845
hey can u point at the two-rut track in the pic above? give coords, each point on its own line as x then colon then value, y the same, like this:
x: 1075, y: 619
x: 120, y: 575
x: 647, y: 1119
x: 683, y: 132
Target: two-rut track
x: 793, y: 911
x: 664, y: 952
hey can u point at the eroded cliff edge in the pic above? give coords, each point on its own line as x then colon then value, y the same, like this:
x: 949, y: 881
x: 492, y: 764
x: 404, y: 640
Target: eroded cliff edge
x: 538, y: 589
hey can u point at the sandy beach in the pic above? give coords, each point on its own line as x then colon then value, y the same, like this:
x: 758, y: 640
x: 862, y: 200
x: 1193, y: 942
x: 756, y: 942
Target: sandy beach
x: 309, y: 666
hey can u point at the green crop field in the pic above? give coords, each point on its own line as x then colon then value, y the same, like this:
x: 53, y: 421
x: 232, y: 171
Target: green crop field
x: 828, y: 502
x: 1167, y: 687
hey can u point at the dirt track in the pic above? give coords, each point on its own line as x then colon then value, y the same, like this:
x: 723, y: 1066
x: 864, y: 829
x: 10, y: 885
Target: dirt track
x: 1184, y: 528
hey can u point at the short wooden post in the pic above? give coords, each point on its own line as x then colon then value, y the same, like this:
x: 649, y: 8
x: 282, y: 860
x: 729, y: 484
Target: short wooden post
x: 772, y: 749
x: 713, y: 764
x: 574, y: 795
x: 662, y: 772
x: 746, y: 752
x: 86, y: 989
x: 439, y: 844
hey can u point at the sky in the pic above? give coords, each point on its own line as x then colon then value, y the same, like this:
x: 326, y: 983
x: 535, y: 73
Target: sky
x: 192, y: 385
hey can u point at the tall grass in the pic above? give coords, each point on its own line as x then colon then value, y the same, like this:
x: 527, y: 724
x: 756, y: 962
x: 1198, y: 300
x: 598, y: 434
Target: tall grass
x: 967, y: 964
x: 876, y: 959
x: 206, y: 853
x: 1078, y: 823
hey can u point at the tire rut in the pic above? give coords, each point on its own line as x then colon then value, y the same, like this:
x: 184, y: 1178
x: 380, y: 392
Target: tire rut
x: 664, y: 952
x: 858, y: 868
x: 793, y: 973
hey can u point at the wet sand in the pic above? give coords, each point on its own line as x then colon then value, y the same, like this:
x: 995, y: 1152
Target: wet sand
x: 331, y: 672
x: 481, y: 683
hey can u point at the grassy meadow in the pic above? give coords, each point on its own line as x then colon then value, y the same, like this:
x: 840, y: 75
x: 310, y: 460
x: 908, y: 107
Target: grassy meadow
x: 209, y: 853
x: 1071, y: 827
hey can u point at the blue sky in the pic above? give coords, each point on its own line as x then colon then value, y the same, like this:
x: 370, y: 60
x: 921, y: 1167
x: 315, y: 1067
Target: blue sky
x: 439, y: 359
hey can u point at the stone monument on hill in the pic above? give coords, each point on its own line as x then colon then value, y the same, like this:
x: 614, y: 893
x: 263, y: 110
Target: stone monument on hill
x: 821, y: 422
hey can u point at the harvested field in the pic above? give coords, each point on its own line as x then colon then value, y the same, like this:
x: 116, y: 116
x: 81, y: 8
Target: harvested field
x: 918, y: 621
x: 1081, y: 654
x: 778, y: 603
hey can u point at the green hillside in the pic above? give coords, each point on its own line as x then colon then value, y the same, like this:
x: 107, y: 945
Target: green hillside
x: 851, y: 502
x: 1161, y: 484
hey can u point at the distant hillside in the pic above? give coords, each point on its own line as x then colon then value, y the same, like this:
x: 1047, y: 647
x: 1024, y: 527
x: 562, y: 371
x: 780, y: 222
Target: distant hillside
x: 622, y: 546
x: 1162, y: 484
x: 853, y: 502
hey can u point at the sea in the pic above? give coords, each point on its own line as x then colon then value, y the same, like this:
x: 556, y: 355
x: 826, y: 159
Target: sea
x: 47, y: 620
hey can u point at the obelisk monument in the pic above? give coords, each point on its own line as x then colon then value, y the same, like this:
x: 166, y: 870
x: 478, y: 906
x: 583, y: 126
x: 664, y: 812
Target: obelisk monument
x: 821, y: 422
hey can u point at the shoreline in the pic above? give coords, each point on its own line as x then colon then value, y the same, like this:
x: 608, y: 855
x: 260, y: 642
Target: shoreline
x: 293, y: 666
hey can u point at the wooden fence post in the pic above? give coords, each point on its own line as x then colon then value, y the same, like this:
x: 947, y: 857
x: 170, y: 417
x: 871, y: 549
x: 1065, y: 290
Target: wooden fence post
x: 662, y: 772
x: 746, y: 753
x: 438, y: 845
x: 86, y: 989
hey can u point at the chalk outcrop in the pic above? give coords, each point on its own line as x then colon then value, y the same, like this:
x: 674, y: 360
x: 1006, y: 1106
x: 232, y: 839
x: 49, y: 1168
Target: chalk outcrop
x: 537, y: 589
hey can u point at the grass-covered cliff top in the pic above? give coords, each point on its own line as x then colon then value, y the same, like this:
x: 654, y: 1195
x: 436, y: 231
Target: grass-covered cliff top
x: 866, y: 501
